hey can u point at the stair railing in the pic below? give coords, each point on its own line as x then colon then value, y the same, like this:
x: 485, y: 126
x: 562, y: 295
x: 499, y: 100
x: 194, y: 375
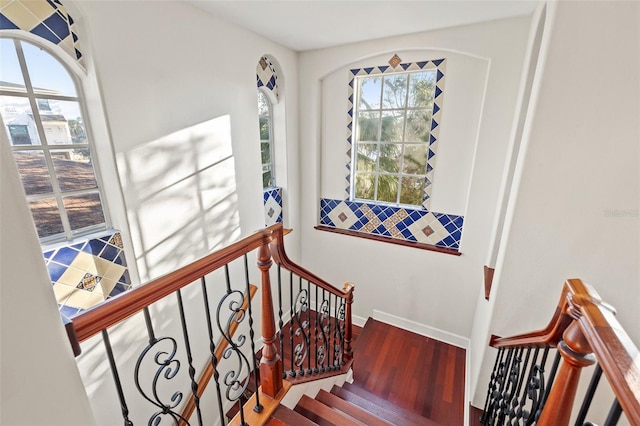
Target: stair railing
x: 527, y: 388
x: 220, y: 350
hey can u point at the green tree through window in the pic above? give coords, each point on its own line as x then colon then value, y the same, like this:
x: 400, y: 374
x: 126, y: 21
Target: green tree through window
x: 392, y: 132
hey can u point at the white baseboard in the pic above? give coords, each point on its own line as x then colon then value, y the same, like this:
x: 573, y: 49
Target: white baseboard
x: 422, y: 329
x: 359, y: 321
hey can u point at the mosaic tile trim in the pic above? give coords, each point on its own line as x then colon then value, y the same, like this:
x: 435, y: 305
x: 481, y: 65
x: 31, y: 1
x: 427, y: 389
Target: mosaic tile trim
x: 48, y: 19
x: 87, y: 273
x: 440, y: 66
x: 438, y: 229
x: 272, y: 205
x: 266, y: 75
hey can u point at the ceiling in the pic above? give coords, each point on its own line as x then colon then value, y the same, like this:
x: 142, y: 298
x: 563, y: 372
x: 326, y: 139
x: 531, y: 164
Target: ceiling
x: 314, y: 24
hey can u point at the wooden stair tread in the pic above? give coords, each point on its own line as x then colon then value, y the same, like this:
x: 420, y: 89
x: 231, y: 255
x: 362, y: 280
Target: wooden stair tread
x: 382, y: 408
x: 284, y: 416
x: 324, y: 415
x: 354, y: 411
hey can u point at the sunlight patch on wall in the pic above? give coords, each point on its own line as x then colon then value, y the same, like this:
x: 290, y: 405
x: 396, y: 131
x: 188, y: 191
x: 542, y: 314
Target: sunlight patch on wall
x: 180, y: 192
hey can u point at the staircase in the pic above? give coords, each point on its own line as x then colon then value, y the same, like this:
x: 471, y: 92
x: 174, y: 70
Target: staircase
x: 346, y: 405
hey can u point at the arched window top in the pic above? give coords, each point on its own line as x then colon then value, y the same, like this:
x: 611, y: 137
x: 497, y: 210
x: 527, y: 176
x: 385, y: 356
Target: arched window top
x: 267, y: 78
x: 47, y: 19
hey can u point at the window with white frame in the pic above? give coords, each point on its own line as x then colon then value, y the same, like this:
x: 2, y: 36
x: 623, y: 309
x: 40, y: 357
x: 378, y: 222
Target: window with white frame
x: 266, y: 140
x: 42, y: 111
x: 392, y: 123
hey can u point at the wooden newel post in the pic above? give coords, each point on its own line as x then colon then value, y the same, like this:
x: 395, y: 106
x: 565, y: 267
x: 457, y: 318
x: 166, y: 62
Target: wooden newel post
x: 576, y: 354
x: 270, y: 363
x: 348, y: 332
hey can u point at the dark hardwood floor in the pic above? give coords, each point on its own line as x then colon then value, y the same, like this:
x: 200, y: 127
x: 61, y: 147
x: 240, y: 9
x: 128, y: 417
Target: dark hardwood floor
x: 417, y: 373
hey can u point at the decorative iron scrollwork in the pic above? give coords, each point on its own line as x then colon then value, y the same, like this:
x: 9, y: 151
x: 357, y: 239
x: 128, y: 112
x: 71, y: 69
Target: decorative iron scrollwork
x: 234, y: 313
x: 301, y: 350
x: 167, y: 367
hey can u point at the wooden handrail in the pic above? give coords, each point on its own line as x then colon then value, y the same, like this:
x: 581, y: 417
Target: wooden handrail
x: 126, y: 304
x: 280, y: 256
x: 583, y: 328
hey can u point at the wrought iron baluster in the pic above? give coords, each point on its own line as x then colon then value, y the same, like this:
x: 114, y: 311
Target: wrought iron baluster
x: 537, y: 388
x: 280, y: 321
x: 503, y: 371
x: 292, y: 314
x: 167, y: 368
x: 322, y: 352
x: 331, y: 356
x: 258, y: 407
x: 187, y: 344
x: 315, y: 334
x: 591, y: 390
x: 212, y: 349
x: 521, y: 414
x: 341, y: 325
x: 309, y: 370
x: 515, y: 403
x: 116, y: 378
x: 614, y: 414
x: 301, y: 305
x: 552, y: 377
x: 511, y: 383
x: 235, y: 379
x: 491, y: 387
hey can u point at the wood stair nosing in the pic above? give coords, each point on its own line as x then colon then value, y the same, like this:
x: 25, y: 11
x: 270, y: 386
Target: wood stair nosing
x: 383, y: 408
x: 284, y: 416
x: 352, y: 410
x: 324, y: 415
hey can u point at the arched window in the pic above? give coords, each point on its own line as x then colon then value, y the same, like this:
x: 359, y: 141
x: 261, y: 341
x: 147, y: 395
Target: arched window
x: 266, y: 140
x: 42, y: 110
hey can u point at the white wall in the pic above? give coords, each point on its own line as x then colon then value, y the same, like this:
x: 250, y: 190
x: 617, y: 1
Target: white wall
x: 165, y: 71
x: 40, y: 380
x: 574, y: 210
x: 433, y: 289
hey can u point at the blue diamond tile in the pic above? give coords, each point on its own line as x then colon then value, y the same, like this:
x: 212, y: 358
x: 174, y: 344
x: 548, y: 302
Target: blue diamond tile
x: 110, y: 252
x: 6, y: 24
x: 437, y: 62
x: 65, y: 255
x: 55, y: 270
x: 69, y: 311
x: 44, y: 32
x: 439, y: 75
x: 47, y: 254
x: 58, y: 25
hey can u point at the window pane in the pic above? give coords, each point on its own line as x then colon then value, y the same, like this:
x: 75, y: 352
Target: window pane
x: 395, y: 91
x: 265, y: 153
x: 412, y: 190
x: 415, y: 159
x: 84, y: 210
x: 263, y: 104
x: 390, y: 157
x: 62, y: 122
x: 367, y: 156
x: 18, y: 119
x: 370, y: 92
x: 266, y: 179
x: 368, y: 126
x: 33, y: 172
x: 264, y: 128
x: 10, y: 74
x: 418, y: 125
x: 392, y: 126
x: 365, y: 186
x: 421, y: 89
x: 46, y: 217
x: 47, y: 73
x: 73, y: 169
x: 388, y: 188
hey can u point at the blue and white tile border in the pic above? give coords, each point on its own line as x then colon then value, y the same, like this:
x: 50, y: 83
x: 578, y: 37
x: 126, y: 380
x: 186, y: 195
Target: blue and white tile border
x: 422, y: 226
x: 48, y: 19
x: 440, y: 66
x: 272, y: 198
x: 267, y: 76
